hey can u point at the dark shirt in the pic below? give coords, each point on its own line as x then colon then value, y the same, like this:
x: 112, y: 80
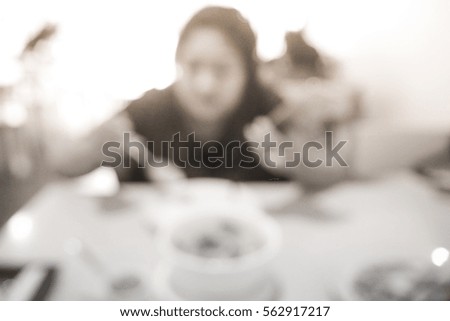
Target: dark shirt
x: 158, y: 117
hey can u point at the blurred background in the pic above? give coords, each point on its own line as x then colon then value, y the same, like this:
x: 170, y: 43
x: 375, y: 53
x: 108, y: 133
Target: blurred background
x: 67, y: 67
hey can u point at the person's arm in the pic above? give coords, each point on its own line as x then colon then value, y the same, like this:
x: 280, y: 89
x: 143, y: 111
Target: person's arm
x: 296, y: 160
x: 75, y: 157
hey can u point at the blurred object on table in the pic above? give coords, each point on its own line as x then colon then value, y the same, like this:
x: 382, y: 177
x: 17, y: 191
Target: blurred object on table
x: 399, y: 281
x: 425, y: 278
x: 31, y: 281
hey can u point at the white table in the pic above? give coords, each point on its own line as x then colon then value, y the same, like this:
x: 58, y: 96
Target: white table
x: 395, y: 218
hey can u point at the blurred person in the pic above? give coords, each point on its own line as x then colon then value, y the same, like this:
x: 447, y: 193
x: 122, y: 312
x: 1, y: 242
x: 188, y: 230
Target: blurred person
x: 214, y: 102
x: 319, y: 107
x: 215, y: 95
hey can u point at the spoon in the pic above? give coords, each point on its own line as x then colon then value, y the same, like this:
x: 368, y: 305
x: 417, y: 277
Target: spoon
x: 125, y: 286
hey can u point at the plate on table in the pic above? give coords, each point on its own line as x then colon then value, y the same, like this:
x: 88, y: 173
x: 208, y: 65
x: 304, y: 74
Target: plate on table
x: 394, y: 281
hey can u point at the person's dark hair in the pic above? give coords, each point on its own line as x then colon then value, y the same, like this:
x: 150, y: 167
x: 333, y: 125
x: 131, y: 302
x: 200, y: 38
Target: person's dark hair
x: 302, y: 54
x: 233, y: 26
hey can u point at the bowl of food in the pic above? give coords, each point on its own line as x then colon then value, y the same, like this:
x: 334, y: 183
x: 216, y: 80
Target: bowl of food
x: 219, y: 253
x: 399, y: 280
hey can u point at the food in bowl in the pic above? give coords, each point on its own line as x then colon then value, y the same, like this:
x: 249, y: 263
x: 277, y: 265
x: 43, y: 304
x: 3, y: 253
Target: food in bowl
x: 218, y: 238
x: 400, y: 281
x: 220, y: 253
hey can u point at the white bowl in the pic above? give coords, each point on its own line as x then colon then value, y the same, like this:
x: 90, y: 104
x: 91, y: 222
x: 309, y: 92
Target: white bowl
x: 219, y: 252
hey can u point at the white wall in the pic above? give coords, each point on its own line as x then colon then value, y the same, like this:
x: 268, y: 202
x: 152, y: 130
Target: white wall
x: 399, y: 51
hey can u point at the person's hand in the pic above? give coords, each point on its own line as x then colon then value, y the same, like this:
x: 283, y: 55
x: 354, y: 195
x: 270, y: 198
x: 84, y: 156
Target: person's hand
x: 314, y: 104
x: 263, y: 129
x: 74, y: 156
x: 169, y: 172
x: 113, y: 130
x: 292, y: 162
x: 164, y: 174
